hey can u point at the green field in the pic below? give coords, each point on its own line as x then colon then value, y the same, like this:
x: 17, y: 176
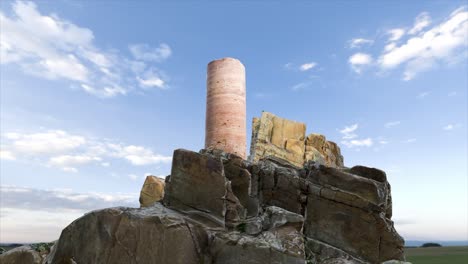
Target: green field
x: 437, y: 255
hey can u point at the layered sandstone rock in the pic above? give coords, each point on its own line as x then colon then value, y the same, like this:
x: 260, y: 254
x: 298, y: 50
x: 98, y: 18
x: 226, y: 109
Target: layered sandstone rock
x: 219, y: 208
x: 285, y: 139
x: 152, y: 191
x: 279, y: 137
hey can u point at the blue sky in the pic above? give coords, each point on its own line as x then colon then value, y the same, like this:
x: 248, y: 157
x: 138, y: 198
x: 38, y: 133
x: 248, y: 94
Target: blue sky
x: 97, y: 94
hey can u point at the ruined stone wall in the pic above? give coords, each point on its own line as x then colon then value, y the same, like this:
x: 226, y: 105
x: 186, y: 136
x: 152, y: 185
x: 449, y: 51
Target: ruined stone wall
x: 285, y: 139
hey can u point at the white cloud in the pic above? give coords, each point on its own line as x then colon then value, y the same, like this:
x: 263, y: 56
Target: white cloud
x: 392, y: 124
x: 448, y: 127
x: 70, y: 169
x: 38, y: 215
x: 359, y: 42
x: 7, y: 155
x: 350, y: 140
x: 358, y: 143
x: 452, y: 94
x: 451, y: 127
x: 422, y: 52
x: 411, y: 140
x: 423, y: 94
x: 133, y: 177
x: 348, y: 131
x: 104, y: 92
x: 307, y: 66
x: 68, y: 162
x: 359, y: 60
x: 60, y: 149
x: 50, y: 47
x: 395, y: 34
x: 52, y: 141
x: 138, y: 155
x: 422, y: 21
x: 301, y: 86
x: 151, y: 82
x: 146, y: 53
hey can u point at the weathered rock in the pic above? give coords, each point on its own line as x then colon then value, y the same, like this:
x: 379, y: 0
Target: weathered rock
x: 152, y: 191
x: 197, y: 182
x: 224, y: 209
x: 21, y: 255
x: 124, y: 235
x: 285, y: 139
x: 279, y: 137
x: 330, y: 153
x: 370, y: 173
x: 347, y: 212
x: 234, y: 248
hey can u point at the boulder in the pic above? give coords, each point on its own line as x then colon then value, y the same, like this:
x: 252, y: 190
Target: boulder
x: 152, y: 191
x: 129, y: 235
x: 197, y: 183
x: 21, y: 255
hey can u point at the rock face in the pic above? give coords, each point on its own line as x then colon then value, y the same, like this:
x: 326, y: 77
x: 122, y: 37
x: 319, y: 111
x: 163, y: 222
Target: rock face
x: 219, y: 208
x: 21, y: 255
x: 285, y: 139
x: 152, y: 191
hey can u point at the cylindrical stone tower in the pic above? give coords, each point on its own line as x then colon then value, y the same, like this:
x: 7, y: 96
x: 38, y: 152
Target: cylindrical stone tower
x: 225, y: 106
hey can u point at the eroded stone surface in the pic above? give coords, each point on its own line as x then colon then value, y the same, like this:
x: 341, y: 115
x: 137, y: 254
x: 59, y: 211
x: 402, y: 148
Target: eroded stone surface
x: 152, y: 191
x: 21, y: 255
x: 285, y: 139
x: 224, y: 209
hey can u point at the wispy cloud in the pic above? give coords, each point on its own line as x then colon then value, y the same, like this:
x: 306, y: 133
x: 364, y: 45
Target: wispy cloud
x: 359, y: 42
x: 410, y: 140
x: 359, y: 61
x: 7, y: 155
x: 367, y: 142
x: 451, y: 127
x: 61, y: 149
x: 348, y: 131
x: 350, y: 139
x: 420, y: 22
x: 423, y: 94
x: 61, y: 199
x: 395, y: 34
x: 420, y: 47
x: 307, y: 66
x: 423, y: 51
x: 392, y: 124
x: 452, y: 94
x: 144, y: 52
x: 50, y: 47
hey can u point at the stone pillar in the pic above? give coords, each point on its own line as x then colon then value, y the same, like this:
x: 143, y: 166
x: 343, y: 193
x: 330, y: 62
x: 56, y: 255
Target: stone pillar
x: 225, y: 107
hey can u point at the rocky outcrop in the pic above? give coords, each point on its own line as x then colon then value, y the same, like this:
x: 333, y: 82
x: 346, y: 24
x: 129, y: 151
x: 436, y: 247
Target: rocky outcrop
x: 152, y: 191
x: 21, y: 255
x: 273, y: 136
x: 219, y: 208
x: 318, y: 149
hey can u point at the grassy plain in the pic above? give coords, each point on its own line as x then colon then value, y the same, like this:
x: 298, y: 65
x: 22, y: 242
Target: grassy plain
x: 437, y: 255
